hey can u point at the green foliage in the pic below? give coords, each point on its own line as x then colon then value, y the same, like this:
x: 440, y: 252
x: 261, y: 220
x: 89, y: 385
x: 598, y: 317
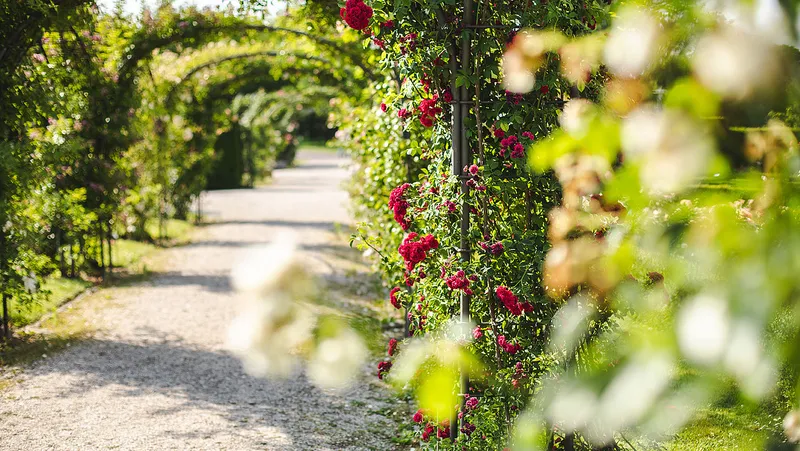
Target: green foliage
x: 108, y: 125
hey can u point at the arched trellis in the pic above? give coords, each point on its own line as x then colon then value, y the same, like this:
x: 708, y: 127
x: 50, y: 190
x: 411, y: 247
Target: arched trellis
x: 248, y: 55
x: 172, y: 93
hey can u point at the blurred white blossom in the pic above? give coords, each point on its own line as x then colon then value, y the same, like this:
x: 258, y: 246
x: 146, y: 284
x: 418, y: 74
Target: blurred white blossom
x: 791, y: 426
x: 337, y: 360
x: 574, y: 119
x: 273, y: 325
x: 734, y: 63
x: 703, y: 328
x: 672, y: 150
x: 632, y: 42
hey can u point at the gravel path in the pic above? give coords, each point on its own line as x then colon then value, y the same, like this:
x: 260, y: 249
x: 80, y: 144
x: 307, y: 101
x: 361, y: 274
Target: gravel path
x: 156, y: 375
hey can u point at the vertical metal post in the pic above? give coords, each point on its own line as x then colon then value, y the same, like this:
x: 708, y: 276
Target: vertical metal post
x: 462, y: 156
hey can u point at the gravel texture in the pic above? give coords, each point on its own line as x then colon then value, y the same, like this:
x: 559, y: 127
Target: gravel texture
x: 156, y: 374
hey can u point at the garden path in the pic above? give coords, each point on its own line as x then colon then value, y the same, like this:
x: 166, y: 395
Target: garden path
x: 156, y: 374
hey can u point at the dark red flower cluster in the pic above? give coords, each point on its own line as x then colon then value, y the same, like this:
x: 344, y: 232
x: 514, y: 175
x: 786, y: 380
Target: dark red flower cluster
x: 399, y: 205
x: 356, y: 13
x: 414, y: 252
x: 544, y: 89
x: 450, y: 205
x: 447, y: 96
x: 403, y: 113
x: 499, y: 133
x: 383, y: 368
x: 468, y: 428
x: 458, y: 281
x: 495, y: 249
x: 388, y: 24
x: 472, y: 403
x: 513, y: 98
x: 426, y: 434
x: 418, y: 416
x: 428, y: 111
x: 393, y: 297
x: 507, y: 345
x: 379, y: 43
x: 511, y: 301
x: 443, y: 432
x: 408, y: 43
x: 392, y: 346
x: 512, y: 143
x: 384, y: 107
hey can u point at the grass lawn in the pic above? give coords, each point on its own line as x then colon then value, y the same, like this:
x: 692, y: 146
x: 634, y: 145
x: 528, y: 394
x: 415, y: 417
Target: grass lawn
x: 316, y: 146
x: 728, y: 428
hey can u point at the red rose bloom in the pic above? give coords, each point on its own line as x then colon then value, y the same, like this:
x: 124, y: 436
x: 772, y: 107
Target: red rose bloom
x: 418, y: 416
x: 399, y: 205
x: 356, y: 14
x: 414, y: 252
x: 544, y: 89
x: 383, y: 368
x: 393, y: 297
x: 392, y: 346
x: 426, y: 434
x: 384, y: 107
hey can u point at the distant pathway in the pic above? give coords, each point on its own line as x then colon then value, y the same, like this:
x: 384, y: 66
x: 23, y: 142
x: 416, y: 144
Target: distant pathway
x: 157, y: 377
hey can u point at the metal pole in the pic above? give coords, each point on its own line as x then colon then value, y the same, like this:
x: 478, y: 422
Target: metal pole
x: 462, y: 156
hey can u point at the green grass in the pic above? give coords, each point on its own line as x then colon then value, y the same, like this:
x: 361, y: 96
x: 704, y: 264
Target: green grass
x: 727, y: 428
x: 61, y: 290
x: 316, y: 146
x: 175, y: 229
x: 127, y: 254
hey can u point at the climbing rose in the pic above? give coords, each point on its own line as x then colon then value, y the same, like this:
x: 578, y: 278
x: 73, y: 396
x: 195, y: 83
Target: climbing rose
x: 428, y: 110
x: 356, y: 13
x: 468, y: 428
x: 508, y: 299
x: 393, y: 297
x: 399, y: 205
x: 477, y: 333
x: 383, y: 368
x: 450, y: 205
x: 448, y: 96
x: 528, y: 135
x: 472, y: 402
x: 518, y: 151
x: 418, y: 416
x: 403, y: 113
x: 499, y: 133
x: 392, y: 346
x: 458, y: 282
x: 496, y: 248
x: 414, y: 252
x: 443, y: 432
x: 544, y: 89
x: 426, y: 434
x: 383, y: 107
x: 507, y: 346
x: 474, y: 169
x: 387, y: 24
